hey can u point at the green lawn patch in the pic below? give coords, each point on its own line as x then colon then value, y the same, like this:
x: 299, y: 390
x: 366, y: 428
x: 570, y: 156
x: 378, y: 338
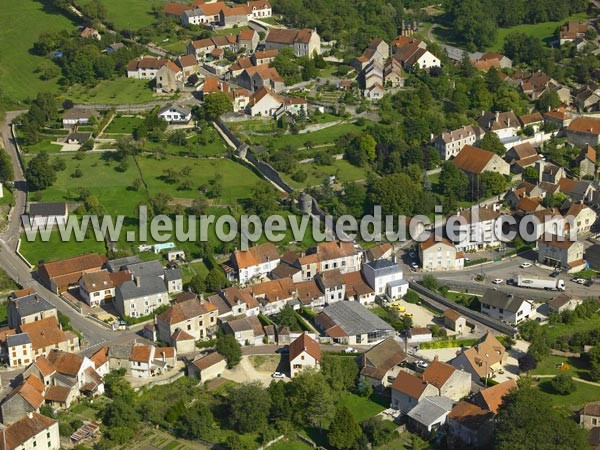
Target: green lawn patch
x: 341, y: 169
x: 190, y: 270
x: 45, y: 145
x: 585, y: 393
x: 55, y: 248
x: 123, y: 125
x: 21, y: 22
x: 237, y: 180
x: 7, y: 197
x: 551, y: 365
x: 286, y: 444
x: 130, y: 14
x: 363, y: 408
x: 118, y: 91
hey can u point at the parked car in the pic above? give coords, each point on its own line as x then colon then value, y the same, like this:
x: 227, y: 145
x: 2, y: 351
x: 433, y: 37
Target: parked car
x: 414, y: 265
x: 555, y: 274
x: 498, y: 281
x: 467, y: 259
x: 350, y: 350
x: 422, y: 364
x: 277, y: 375
x: 525, y: 265
x: 578, y: 280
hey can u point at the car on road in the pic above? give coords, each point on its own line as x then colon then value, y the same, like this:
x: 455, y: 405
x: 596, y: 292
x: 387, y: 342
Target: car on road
x: 422, y: 364
x: 498, y: 281
x: 555, y: 274
x: 277, y: 375
x: 350, y: 350
x: 467, y: 259
x: 525, y: 265
x: 579, y: 280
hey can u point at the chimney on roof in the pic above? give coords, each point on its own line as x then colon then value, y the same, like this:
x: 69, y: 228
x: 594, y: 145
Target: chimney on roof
x: 30, y: 415
x: 508, y: 122
x: 138, y: 281
x: 436, y: 358
x: 497, y: 116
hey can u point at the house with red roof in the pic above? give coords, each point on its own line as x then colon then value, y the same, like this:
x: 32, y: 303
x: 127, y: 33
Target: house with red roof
x: 305, y: 353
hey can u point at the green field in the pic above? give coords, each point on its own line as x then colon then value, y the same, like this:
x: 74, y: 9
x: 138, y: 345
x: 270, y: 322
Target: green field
x: 45, y: 144
x: 113, y: 92
x: 123, y: 125
x: 55, y: 248
x: 285, y: 444
x: 544, y: 31
x: 363, y: 408
x: 130, y: 14
x: 21, y: 22
x: 325, y: 136
x: 342, y: 169
x: 237, y: 180
x: 585, y: 393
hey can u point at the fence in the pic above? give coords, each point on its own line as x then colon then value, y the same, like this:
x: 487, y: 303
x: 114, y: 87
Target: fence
x: 482, y: 318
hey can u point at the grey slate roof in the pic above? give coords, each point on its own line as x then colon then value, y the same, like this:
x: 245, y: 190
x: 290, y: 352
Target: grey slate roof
x: 146, y: 268
x: 114, y: 265
x: 383, y: 267
x: 31, y: 304
x: 430, y: 409
x: 119, y: 351
x: 354, y: 318
x: 183, y: 109
x: 500, y: 299
x: 17, y: 339
x: 47, y: 209
x: 148, y: 286
x: 172, y: 274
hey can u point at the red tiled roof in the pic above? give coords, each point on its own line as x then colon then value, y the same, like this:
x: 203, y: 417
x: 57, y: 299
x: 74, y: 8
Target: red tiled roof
x: 304, y: 343
x: 408, y: 384
x: 585, y: 125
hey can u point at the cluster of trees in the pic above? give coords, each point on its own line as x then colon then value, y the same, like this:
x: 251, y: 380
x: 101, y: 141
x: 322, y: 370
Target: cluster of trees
x: 82, y: 59
x: 525, y: 417
x: 475, y: 22
x: 43, y: 111
x: 360, y: 21
x: 293, y: 69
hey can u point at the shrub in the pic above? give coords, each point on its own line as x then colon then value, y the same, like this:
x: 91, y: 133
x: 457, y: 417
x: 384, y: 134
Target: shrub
x: 563, y: 384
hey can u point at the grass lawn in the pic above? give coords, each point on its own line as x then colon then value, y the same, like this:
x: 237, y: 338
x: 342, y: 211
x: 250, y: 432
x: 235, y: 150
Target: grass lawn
x: 286, y: 444
x: 325, y: 136
x: 44, y: 145
x: 7, y: 197
x: 585, y: 393
x: 237, y: 180
x: 578, y: 326
x: 55, y: 248
x: 123, y: 125
x: 550, y: 366
x: 130, y: 14
x: 190, y: 270
x: 342, y: 169
x: 21, y: 22
x: 544, y: 31
x: 194, y: 148
x: 118, y: 91
x: 363, y: 408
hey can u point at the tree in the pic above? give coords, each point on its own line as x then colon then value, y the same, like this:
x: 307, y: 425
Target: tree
x: 527, y: 362
x: 39, y: 173
x: 6, y: 167
x: 539, y: 348
x: 340, y: 372
x: 395, y: 193
x: 215, y: 280
x: 376, y: 431
x: 197, y: 284
x: 288, y: 318
x: 197, y: 421
x: 178, y: 138
x: 313, y: 401
x: 492, y: 183
x: 491, y: 142
x: 548, y: 100
x: 344, y: 430
x: 594, y: 357
x: 563, y: 384
x: 525, y: 417
x: 430, y: 282
x: 453, y: 181
x: 230, y: 348
x: 263, y: 201
x: 216, y: 104
x: 249, y: 407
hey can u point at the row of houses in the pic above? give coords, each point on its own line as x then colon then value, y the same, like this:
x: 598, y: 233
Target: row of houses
x: 218, y: 14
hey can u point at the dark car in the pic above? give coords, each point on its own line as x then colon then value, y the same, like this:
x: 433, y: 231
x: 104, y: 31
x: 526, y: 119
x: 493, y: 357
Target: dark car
x: 555, y: 274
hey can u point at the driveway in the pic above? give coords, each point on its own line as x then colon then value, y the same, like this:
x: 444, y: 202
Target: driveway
x: 245, y: 372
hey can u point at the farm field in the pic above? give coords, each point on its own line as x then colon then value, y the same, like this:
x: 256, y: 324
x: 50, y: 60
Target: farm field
x: 112, y: 92
x: 21, y: 22
x: 55, y: 248
x: 130, y: 14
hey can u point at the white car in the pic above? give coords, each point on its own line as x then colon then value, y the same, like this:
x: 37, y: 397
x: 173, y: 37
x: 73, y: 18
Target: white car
x: 578, y: 280
x: 498, y: 281
x: 525, y: 265
x: 277, y: 375
x: 422, y: 365
x: 350, y: 350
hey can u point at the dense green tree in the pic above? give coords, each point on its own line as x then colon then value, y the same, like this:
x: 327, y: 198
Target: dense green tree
x: 453, y: 181
x: 312, y: 399
x: 230, y: 348
x: 491, y: 142
x: 39, y: 172
x: 344, y: 430
x: 216, y: 104
x: 395, y: 194
x: 215, y: 280
x: 430, y: 282
x: 548, y: 100
x: 492, y: 183
x: 563, y: 384
x: 6, y: 167
x: 197, y: 284
x: 527, y: 362
x: 263, y: 199
x: 377, y: 431
x: 249, y: 407
x: 340, y: 372
x: 525, y: 417
x: 594, y: 357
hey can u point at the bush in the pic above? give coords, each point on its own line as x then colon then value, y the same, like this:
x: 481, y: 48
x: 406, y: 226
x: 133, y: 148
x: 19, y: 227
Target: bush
x: 563, y: 384
x: 430, y: 282
x: 412, y: 297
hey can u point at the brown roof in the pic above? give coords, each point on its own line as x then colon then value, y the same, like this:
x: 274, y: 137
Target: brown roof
x: 179, y: 336
x: 176, y: 9
x: 239, y: 10
x: 334, y: 250
x: 498, y: 120
x: 529, y: 204
x: 355, y: 284
x: 408, y: 384
x: 273, y: 290
x: 380, y: 359
x: 470, y: 415
x: 120, y: 277
x: 379, y: 251
x: 44, y: 366
x: 435, y: 240
x: 528, y: 119
x: 473, y: 159
x: 259, y: 4
x: 246, y: 35
x: 57, y: 394
x: 65, y: 362
x: 554, y: 241
x: 30, y: 392
x: 492, y: 396
x: 585, y: 125
x: 167, y: 352
x: 186, y: 310
x: 331, y: 278
x: 23, y: 292
x: 478, y: 214
x: 208, y: 361
x: 44, y: 333
x: 141, y: 353
x: 255, y: 255
x: 146, y: 63
x: 23, y: 430
x: 591, y: 409
x: 304, y: 343
x: 525, y: 150
x: 266, y: 54
x: 35, y: 383
x: 212, y: 9
x: 232, y: 295
x: 96, y: 281
x: 437, y: 373
x: 69, y: 270
x: 100, y: 357
x: 452, y: 315
x: 307, y: 291
x: 419, y: 330
x: 476, y: 355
